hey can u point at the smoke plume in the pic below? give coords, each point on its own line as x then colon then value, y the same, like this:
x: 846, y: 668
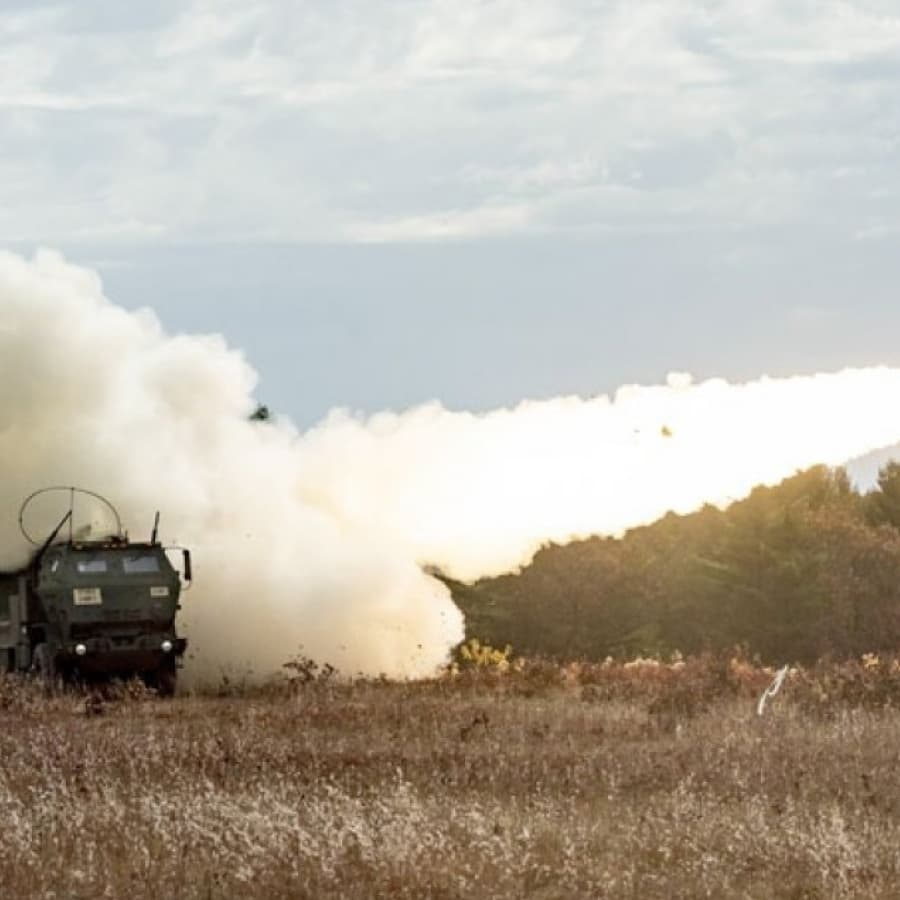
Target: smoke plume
x: 316, y: 542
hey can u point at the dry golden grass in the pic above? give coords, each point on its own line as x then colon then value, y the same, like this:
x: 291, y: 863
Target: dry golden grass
x: 582, y: 781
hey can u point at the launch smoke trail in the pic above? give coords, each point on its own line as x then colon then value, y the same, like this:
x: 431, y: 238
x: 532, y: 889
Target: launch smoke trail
x: 319, y: 540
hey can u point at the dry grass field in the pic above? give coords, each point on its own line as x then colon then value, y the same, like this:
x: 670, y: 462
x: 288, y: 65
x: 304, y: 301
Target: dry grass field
x: 581, y: 781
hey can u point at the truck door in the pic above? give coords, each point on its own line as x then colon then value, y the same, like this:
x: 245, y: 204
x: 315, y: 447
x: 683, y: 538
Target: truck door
x: 8, y: 637
x: 18, y: 609
x: 14, y: 649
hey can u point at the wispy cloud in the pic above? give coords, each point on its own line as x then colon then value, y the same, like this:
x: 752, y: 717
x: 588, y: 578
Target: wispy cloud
x: 453, y: 224
x: 433, y: 120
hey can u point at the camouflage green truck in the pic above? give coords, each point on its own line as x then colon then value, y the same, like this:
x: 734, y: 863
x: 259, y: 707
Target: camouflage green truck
x: 94, y: 608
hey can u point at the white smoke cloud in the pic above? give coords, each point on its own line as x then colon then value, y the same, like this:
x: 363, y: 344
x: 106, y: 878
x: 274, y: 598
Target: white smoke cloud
x: 96, y: 396
x: 317, y: 540
x: 477, y: 495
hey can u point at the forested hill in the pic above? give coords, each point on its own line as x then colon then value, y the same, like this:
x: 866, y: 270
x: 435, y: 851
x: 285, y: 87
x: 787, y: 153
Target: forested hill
x: 794, y: 572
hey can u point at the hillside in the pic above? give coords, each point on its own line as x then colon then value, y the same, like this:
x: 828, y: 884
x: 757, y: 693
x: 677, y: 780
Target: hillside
x: 803, y: 570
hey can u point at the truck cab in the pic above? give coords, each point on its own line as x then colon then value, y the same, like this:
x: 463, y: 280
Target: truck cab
x: 95, y: 609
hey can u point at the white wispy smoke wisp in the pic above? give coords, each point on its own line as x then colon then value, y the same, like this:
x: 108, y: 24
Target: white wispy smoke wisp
x: 317, y: 540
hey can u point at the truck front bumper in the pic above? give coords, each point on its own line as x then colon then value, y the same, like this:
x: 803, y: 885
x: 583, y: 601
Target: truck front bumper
x: 110, y: 655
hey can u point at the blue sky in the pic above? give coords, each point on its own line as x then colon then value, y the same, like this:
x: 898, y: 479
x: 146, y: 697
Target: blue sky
x: 390, y: 201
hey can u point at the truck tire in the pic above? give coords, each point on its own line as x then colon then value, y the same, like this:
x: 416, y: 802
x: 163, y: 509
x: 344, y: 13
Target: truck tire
x: 166, y: 679
x: 42, y: 665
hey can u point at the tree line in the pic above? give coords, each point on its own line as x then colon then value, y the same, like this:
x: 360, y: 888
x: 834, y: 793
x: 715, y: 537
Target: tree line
x: 807, y: 569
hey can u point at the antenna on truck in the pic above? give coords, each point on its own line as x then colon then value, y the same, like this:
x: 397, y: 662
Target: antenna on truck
x: 155, y: 528
x: 55, y: 532
x: 73, y: 493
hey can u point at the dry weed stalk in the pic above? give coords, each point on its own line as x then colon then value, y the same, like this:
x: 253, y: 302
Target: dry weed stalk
x: 654, y: 779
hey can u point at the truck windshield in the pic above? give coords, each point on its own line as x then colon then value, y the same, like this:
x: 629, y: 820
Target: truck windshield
x: 91, y: 566
x: 134, y: 565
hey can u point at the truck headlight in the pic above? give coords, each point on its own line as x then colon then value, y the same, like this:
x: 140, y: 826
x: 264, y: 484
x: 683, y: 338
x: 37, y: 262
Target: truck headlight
x: 166, y: 646
x: 80, y: 649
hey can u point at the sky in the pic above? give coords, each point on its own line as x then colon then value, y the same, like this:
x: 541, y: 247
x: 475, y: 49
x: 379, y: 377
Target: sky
x: 386, y: 202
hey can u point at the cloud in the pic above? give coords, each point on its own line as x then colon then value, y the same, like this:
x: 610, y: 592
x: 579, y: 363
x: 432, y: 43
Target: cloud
x: 451, y: 224
x: 365, y: 120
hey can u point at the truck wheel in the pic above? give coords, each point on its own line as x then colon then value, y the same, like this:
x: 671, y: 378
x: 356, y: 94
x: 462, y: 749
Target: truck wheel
x: 42, y: 665
x: 166, y: 679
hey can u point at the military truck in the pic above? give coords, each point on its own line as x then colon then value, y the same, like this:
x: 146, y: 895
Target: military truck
x: 92, y: 604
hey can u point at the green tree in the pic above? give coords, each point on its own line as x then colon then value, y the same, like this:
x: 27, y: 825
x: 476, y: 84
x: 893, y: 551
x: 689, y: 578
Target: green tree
x: 883, y: 504
x: 794, y: 571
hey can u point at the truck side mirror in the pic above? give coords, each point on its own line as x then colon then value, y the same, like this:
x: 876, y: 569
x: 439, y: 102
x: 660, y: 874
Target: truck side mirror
x: 188, y: 574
